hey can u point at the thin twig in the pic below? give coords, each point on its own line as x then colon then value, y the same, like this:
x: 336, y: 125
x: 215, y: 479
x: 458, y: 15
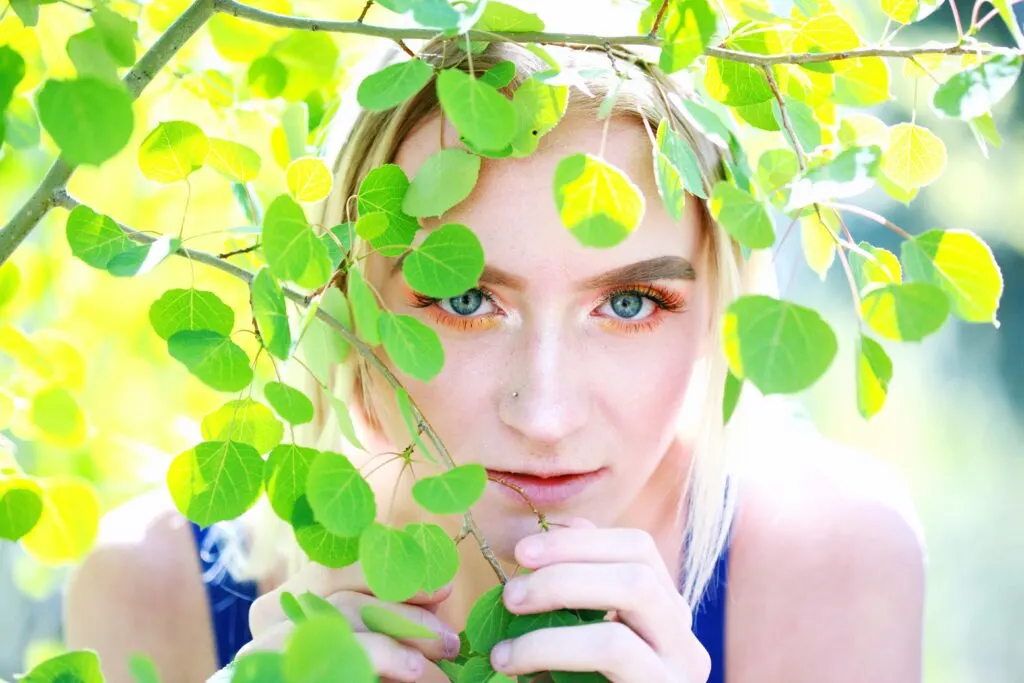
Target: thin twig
x: 405, y: 48
x: 243, y: 250
x: 786, y: 123
x: 657, y: 20
x: 366, y: 8
x: 87, y: 10
x: 956, y: 19
x: 878, y: 218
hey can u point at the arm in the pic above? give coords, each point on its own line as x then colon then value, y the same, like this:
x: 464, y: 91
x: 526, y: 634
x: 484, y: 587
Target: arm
x: 140, y: 591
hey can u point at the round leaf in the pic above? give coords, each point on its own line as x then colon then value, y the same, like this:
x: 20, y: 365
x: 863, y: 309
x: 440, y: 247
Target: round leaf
x: 539, y: 106
x: 21, y: 506
x: 393, y: 85
x: 442, y: 181
x: 322, y: 649
x: 384, y: 189
x: 442, y: 555
x: 365, y: 310
x: 244, y: 421
x: 190, y: 309
x: 744, y: 217
x: 908, y: 312
x: 851, y: 172
x: 973, y: 92
x: 90, y: 119
x: 779, y: 346
x: 370, y: 226
x: 79, y: 666
x: 392, y: 561
x: 487, y: 621
x: 290, y: 403
x: 448, y: 263
x: 962, y: 265
x: 476, y: 109
x: 597, y: 202
x: 818, y: 240
x: 916, y: 156
x: 268, y: 307
x: 452, y: 492
x: 68, y: 525
x: 212, y: 357
x: 95, y: 238
x: 285, y: 478
x: 308, y: 179
x: 173, y: 151
x: 340, y: 498
x: 293, y: 250
x: 234, y: 160
x: 412, y: 346
x: 56, y: 412
x: 215, y: 481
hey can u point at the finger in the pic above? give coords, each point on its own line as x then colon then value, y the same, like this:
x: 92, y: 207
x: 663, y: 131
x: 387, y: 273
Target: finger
x: 581, y: 523
x: 273, y: 640
x: 444, y: 646
x: 392, y: 659
x: 606, y: 647
x: 661, y: 617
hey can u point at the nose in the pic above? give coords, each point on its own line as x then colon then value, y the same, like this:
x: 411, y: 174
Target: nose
x: 545, y: 397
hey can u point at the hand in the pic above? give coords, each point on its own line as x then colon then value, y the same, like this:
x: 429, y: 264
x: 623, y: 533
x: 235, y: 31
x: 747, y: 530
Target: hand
x: 649, y: 640
x: 346, y: 589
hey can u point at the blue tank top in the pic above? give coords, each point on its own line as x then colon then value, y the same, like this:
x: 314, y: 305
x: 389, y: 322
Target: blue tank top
x: 230, y: 600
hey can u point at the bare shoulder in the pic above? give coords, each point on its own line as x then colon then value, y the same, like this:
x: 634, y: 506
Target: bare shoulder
x: 827, y: 573
x: 140, y: 591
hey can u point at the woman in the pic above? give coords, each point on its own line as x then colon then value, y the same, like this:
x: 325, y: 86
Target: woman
x: 770, y: 556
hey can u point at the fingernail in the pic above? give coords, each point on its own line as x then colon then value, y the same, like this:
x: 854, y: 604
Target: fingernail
x: 500, y: 655
x: 529, y: 548
x: 515, y: 592
x: 452, y: 645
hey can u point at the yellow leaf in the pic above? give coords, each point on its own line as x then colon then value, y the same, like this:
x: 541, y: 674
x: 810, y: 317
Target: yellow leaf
x: 69, y: 523
x: 308, y: 179
x: 819, y: 241
x: 173, y: 151
x: 916, y: 156
x: 921, y: 65
x: 235, y: 160
x: 863, y: 130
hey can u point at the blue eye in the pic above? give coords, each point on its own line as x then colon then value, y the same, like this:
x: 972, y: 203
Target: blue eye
x: 466, y: 303
x: 627, y: 304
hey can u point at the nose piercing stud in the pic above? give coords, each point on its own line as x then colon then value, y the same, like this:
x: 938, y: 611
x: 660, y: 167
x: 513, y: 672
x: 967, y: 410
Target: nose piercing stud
x: 515, y: 394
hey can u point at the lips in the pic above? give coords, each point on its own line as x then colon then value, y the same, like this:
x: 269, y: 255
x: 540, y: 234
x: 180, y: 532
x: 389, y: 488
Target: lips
x: 550, y: 488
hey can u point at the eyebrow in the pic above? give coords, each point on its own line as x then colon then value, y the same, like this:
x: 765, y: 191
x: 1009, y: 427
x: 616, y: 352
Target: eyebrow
x: 659, y: 268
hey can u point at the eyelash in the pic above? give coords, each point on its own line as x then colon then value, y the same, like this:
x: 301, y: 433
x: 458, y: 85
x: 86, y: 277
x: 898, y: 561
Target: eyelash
x: 666, y: 301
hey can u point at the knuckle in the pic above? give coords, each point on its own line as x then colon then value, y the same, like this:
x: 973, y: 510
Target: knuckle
x: 616, y: 641
x: 644, y: 545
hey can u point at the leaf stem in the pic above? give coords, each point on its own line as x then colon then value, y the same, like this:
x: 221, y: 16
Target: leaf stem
x: 786, y: 123
x: 878, y: 218
x: 657, y: 20
x: 956, y: 19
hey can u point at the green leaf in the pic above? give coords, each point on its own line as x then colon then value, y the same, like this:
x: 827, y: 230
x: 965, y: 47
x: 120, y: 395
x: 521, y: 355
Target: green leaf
x: 290, y: 403
x: 384, y: 189
x: 143, y: 669
x: 27, y: 11
x: 293, y: 250
x: 371, y: 225
x: 173, y: 151
x: 743, y: 217
x: 22, y: 124
x: 323, y: 547
x: 907, y: 312
x: 311, y: 59
x: 499, y: 75
x: 444, y: 180
x: 365, y: 310
x: 285, y: 478
x: 731, y: 397
x: 21, y: 506
x: 322, y: 649
x: 915, y: 157
x: 308, y: 179
x: 268, y: 308
x: 344, y: 417
x: 392, y: 561
x: 314, y: 605
x: 686, y: 29
x: 244, y: 421
x: 961, y: 265
x: 382, y: 620
x: 215, y: 481
x: 141, y: 259
x: 779, y: 346
x: 500, y: 17
x: 233, y: 160
x: 393, y: 85
x: 340, y: 498
x: 452, y: 492
x: 79, y: 666
x: 338, y: 241
x: 257, y: 667
x: 448, y: 262
x: 488, y: 621
x: 522, y: 624
x: 12, y: 71
x: 412, y: 346
x: 1006, y: 12
x: 213, y: 358
x: 56, y: 412
x: 476, y: 109
x: 95, y: 238
x: 805, y: 123
x: 69, y: 524
x: 670, y: 187
x: 478, y: 670
x: 873, y: 267
x: 267, y: 77
x: 862, y: 82
x: 405, y: 408
x: 874, y: 372
x: 90, y: 56
x: 974, y: 91
x: 735, y: 83
x: 441, y: 553
x: 983, y: 127
x: 682, y: 158
x: 190, y: 309
x: 775, y: 169
x: 850, y: 173
x: 118, y: 34
x: 539, y: 106
x: 291, y: 608
x: 597, y: 202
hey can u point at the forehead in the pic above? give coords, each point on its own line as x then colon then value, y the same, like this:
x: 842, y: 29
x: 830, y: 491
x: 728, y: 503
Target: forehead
x: 512, y: 207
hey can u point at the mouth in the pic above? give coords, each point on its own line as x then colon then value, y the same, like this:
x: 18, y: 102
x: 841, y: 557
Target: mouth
x: 547, y: 488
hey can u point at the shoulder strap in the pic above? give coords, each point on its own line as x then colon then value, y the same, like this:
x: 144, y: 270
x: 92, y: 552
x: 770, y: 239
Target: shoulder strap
x: 229, y: 599
x: 709, y: 618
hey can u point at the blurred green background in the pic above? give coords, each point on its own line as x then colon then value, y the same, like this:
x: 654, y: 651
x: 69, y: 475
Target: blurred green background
x: 952, y: 424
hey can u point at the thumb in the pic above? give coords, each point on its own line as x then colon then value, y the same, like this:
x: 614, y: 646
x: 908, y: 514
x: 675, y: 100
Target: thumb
x: 580, y: 523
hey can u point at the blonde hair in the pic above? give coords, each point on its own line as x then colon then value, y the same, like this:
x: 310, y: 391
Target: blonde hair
x: 359, y: 141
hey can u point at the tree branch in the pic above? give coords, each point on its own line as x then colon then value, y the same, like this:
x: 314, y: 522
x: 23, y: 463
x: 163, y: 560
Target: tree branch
x: 136, y: 80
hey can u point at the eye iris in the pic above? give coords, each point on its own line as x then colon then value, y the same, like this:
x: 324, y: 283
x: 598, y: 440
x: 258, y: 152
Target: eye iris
x: 627, y: 305
x: 467, y: 303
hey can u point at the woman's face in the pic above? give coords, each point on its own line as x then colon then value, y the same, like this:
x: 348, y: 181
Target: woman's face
x: 567, y: 359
